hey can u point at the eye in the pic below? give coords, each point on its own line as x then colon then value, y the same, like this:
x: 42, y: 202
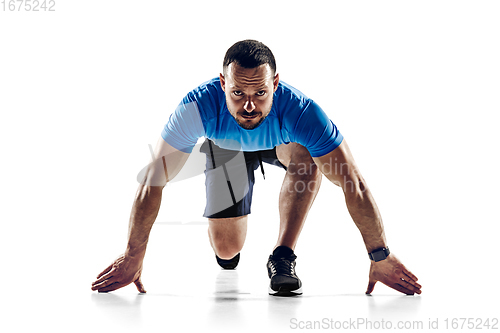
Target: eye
x: 237, y: 93
x: 261, y: 93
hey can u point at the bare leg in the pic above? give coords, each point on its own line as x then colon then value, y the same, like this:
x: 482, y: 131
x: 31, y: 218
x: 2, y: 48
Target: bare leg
x: 227, y: 235
x: 299, y: 189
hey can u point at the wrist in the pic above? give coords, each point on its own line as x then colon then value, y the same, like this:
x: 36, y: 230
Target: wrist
x: 379, y: 254
x: 135, y: 252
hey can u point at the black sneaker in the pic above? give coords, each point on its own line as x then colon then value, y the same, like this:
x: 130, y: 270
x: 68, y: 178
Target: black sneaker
x: 281, y: 271
x: 228, y: 264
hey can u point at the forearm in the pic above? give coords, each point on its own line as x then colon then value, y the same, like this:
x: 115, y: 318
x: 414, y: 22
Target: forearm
x: 144, y: 212
x: 339, y: 167
x: 152, y: 179
x: 366, y: 216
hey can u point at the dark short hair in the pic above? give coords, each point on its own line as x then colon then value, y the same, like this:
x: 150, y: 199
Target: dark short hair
x: 249, y: 53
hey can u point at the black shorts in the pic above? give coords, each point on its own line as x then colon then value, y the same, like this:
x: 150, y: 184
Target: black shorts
x: 230, y: 178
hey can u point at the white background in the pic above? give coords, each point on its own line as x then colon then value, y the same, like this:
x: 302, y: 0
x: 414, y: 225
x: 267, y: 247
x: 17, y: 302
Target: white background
x: 412, y: 85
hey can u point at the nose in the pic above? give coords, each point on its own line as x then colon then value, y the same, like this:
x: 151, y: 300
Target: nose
x: 249, y: 106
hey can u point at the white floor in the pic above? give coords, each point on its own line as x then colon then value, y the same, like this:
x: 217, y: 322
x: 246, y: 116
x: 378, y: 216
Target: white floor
x: 198, y: 295
x: 187, y: 290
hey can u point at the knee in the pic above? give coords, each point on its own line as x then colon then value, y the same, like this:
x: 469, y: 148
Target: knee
x: 226, y: 250
x: 227, y: 236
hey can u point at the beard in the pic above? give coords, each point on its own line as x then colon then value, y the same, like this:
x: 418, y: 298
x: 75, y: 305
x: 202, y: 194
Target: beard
x: 248, y: 126
x: 241, y: 120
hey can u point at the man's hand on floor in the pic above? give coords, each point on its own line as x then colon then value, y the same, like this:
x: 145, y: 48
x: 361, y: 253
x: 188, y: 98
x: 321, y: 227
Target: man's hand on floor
x: 393, y: 274
x: 122, y: 272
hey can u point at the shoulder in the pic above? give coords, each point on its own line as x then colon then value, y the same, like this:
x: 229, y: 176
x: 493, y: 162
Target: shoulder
x: 207, y: 98
x: 210, y: 89
x: 289, y: 96
x: 286, y: 94
x: 291, y: 105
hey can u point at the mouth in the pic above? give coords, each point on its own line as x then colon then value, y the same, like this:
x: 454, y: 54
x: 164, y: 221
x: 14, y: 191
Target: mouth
x: 249, y: 116
x: 249, y: 120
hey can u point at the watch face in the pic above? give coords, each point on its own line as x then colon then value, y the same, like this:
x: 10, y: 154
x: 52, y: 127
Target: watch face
x: 379, y: 255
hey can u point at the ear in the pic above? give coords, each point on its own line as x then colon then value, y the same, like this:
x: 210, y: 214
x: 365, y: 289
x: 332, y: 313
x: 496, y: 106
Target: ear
x: 222, y: 82
x: 276, y: 81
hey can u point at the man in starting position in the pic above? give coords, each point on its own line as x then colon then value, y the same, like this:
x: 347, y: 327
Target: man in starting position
x: 249, y: 117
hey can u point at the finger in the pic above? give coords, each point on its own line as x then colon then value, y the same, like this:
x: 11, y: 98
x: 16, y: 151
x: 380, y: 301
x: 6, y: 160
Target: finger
x: 104, y: 283
x: 111, y: 287
x: 411, y: 281
x: 105, y: 271
x: 409, y: 286
x: 402, y: 289
x: 139, y: 285
x: 371, y: 286
x: 410, y: 274
x: 104, y: 277
x: 407, y: 276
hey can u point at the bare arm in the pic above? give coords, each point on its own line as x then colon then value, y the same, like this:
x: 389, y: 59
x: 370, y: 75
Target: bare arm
x: 340, y: 168
x: 128, y: 267
x: 167, y: 163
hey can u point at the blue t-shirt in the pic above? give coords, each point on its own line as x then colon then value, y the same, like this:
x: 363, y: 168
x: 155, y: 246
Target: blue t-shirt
x: 293, y: 118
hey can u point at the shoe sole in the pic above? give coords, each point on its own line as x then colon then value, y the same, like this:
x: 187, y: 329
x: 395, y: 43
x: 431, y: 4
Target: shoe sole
x: 285, y: 292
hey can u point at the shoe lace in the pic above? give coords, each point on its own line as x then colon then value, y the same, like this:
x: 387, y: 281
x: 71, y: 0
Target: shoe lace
x: 283, y: 266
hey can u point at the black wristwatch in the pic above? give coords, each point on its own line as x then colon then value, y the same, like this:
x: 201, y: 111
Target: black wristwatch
x: 379, y: 254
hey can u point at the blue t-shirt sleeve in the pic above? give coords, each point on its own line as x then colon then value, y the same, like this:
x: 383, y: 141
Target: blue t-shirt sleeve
x: 315, y: 131
x: 184, y: 126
